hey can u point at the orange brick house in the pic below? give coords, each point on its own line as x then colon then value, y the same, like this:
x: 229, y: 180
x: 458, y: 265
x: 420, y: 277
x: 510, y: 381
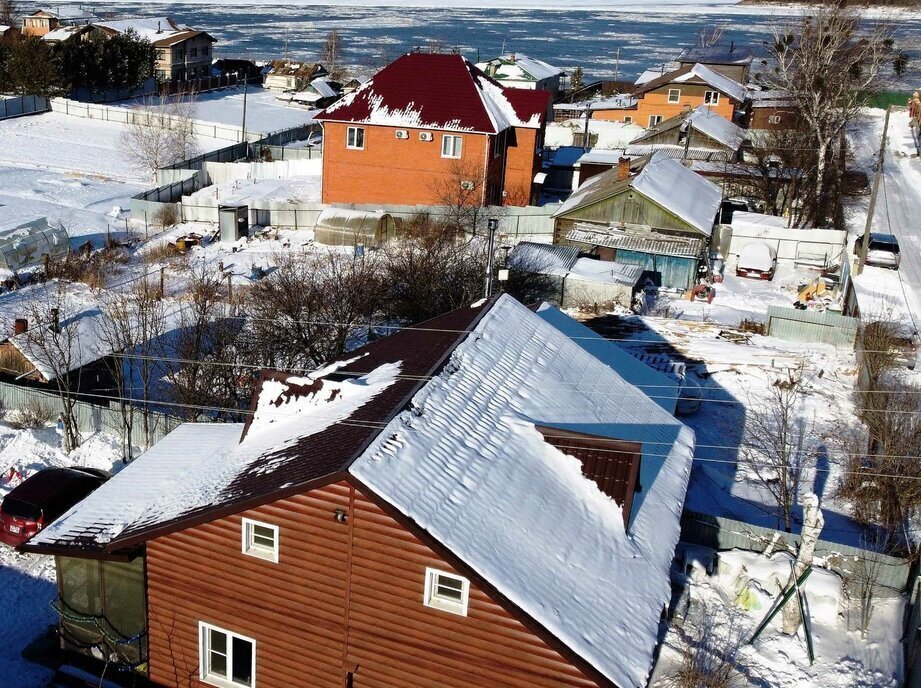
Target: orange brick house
x: 675, y: 92
x: 428, y: 125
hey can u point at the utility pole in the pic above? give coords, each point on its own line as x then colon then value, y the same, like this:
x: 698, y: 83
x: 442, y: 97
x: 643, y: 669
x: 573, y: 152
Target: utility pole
x: 245, y: 82
x: 865, y: 245
x: 492, y: 224
x: 588, y: 117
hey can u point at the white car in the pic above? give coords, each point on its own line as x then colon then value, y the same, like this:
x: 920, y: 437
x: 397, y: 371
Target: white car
x: 883, y: 250
x: 757, y: 260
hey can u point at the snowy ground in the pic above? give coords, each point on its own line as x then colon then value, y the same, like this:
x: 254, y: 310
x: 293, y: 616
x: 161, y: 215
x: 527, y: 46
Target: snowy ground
x: 263, y: 112
x: 738, y: 595
x: 61, y: 143
x: 27, y: 580
x: 303, y: 189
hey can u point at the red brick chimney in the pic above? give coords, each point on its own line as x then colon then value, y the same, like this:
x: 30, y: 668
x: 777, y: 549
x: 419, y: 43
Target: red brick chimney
x: 20, y: 325
x: 623, y: 169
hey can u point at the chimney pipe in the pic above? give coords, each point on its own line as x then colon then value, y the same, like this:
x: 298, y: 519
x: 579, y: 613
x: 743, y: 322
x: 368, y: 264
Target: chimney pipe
x: 623, y: 169
x: 20, y: 326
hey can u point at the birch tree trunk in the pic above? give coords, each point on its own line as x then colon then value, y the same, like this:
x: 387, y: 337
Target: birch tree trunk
x: 813, y: 521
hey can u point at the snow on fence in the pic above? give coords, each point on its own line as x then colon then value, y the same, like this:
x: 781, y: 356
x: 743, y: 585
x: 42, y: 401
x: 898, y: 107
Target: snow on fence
x: 17, y: 106
x: 282, y: 153
x: 826, y: 327
x: 90, y: 417
x: 222, y: 172
x: 139, y: 115
x: 720, y: 533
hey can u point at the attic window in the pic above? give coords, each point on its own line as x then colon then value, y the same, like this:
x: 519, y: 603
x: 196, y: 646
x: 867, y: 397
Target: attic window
x: 446, y: 591
x: 674, y: 95
x: 712, y: 97
x: 260, y: 540
x: 614, y: 465
x: 628, y: 120
x: 654, y: 120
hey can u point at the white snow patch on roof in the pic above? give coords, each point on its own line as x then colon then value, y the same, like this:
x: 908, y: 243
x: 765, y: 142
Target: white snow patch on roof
x: 471, y: 469
x: 721, y: 83
x: 520, y: 67
x: 680, y: 191
x: 717, y: 127
x: 150, y: 28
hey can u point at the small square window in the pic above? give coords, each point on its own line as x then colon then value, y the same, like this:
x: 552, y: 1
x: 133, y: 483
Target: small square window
x: 451, y: 146
x: 225, y: 659
x: 712, y: 97
x: 446, y: 591
x: 628, y: 120
x: 355, y: 138
x: 260, y: 540
x: 654, y: 120
x: 674, y: 95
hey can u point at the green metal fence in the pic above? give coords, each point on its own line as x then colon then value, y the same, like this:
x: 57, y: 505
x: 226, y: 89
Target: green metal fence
x: 812, y: 327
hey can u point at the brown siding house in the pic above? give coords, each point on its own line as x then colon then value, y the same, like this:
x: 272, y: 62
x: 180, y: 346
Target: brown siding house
x: 366, y: 530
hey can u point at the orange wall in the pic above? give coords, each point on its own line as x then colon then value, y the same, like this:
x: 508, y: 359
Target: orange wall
x: 656, y: 103
x: 343, y: 597
x: 522, y: 163
x: 393, y: 171
x: 616, y: 115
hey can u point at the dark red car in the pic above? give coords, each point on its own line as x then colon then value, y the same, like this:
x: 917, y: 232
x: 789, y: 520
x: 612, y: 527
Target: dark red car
x: 42, y: 498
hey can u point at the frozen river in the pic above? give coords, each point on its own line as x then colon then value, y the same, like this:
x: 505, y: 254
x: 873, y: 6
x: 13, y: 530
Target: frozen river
x: 643, y: 33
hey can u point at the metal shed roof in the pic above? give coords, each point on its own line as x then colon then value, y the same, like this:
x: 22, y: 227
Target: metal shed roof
x: 657, y: 244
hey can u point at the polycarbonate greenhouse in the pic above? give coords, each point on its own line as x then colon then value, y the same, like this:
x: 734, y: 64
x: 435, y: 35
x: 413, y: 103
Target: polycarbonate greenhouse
x: 23, y: 245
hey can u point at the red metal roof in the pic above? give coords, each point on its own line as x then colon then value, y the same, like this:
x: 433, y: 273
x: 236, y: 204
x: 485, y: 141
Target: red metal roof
x: 439, y: 92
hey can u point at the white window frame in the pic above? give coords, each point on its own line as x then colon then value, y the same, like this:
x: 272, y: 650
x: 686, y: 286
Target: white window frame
x: 457, y: 147
x: 431, y: 598
x: 676, y: 98
x: 204, y: 649
x: 711, y: 97
x: 654, y: 120
x: 352, y: 142
x: 255, y: 549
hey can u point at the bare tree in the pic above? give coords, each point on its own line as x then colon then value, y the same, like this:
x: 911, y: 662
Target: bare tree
x: 6, y: 13
x: 709, y: 36
x: 134, y: 323
x: 56, y: 346
x: 161, y: 133
x: 861, y: 578
x: 331, y: 55
x: 828, y: 62
x: 314, y: 307
x: 813, y: 521
x: 463, y: 192
x: 432, y: 269
x: 710, y: 648
x: 774, y: 448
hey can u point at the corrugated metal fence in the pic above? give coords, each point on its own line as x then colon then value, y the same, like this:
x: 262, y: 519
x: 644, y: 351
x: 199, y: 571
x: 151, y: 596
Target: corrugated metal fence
x: 90, y: 417
x: 721, y: 533
x: 808, y: 326
x: 16, y: 106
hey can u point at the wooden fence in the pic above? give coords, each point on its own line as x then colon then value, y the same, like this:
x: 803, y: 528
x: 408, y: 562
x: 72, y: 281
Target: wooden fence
x: 90, y: 417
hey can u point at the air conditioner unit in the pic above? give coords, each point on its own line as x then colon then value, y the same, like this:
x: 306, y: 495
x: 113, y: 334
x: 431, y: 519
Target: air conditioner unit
x: 467, y: 186
x: 402, y: 134
x: 426, y: 136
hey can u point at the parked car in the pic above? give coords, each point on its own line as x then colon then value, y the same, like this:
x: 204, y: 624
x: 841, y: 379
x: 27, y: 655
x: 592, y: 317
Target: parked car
x: 882, y: 251
x: 42, y: 498
x: 757, y: 260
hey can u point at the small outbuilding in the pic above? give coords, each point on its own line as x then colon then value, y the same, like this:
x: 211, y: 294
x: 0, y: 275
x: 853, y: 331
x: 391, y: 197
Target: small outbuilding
x: 348, y: 227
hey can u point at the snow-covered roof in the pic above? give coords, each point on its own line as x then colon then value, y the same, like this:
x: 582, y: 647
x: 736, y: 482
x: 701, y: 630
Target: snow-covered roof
x: 62, y: 33
x: 436, y: 91
x: 656, y: 385
x: 548, y: 259
x: 4, y: 28
x: 519, y: 511
x: 519, y: 67
x: 154, y: 477
x: 157, y: 30
x: 704, y: 120
x: 697, y: 73
x: 655, y: 72
x: 662, y: 180
x: 67, y: 13
x: 606, y: 272
x: 718, y: 55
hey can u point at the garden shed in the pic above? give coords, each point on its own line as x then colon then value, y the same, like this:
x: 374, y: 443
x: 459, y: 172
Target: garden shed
x: 347, y: 227
x: 22, y: 244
